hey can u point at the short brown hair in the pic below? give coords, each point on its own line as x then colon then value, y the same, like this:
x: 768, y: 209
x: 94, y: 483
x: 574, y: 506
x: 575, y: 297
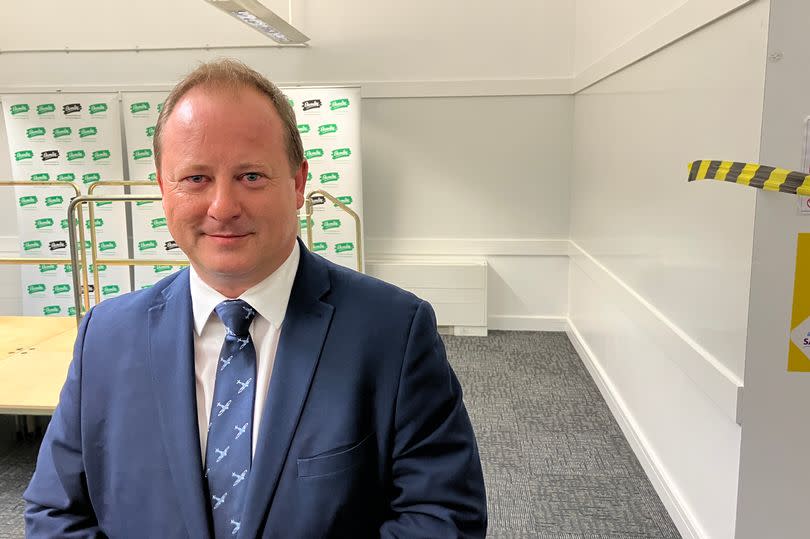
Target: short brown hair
x: 230, y: 73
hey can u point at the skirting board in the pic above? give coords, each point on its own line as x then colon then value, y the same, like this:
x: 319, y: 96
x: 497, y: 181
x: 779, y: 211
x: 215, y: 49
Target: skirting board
x: 526, y: 322
x: 681, y: 516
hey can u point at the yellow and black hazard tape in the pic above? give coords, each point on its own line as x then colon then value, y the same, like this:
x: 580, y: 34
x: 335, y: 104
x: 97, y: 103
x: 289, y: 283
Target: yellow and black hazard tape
x: 753, y: 175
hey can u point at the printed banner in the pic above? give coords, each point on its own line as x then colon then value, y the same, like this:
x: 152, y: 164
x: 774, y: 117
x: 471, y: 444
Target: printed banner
x: 329, y: 123
x: 59, y: 139
x: 150, y: 234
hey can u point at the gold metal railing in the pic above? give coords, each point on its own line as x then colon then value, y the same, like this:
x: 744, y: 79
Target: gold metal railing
x: 358, y: 232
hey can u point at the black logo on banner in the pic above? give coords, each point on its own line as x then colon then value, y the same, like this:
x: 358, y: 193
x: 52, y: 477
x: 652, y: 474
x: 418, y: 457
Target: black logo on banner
x: 317, y: 199
x: 50, y: 154
x: 59, y: 244
x: 90, y: 288
x: 72, y: 107
x: 311, y: 104
x: 171, y: 244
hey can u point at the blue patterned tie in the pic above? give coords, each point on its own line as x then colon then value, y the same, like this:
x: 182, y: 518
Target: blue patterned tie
x: 228, y: 451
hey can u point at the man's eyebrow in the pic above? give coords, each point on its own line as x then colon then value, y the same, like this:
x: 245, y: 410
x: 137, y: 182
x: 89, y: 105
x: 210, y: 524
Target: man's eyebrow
x: 247, y: 166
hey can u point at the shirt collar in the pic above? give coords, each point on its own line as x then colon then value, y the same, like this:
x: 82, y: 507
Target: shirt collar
x: 269, y: 297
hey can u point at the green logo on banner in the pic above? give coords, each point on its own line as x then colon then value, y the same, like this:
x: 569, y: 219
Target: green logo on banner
x: 87, y: 132
x: 75, y: 154
x: 343, y: 247
x: 139, y: 107
x: 36, y: 288
x: 159, y: 107
x: 32, y: 132
x: 31, y: 245
x: 110, y: 289
x: 303, y: 223
x: 153, y: 176
x: 315, y: 152
x: 330, y: 177
x: 91, y: 177
x: 62, y: 132
x: 339, y: 104
x: 159, y: 222
x: 28, y: 200
x: 95, y: 108
x: 64, y: 223
x: 303, y: 128
x: 101, y: 268
x: 147, y: 244
x: 66, y: 177
x: 150, y: 131
x: 108, y: 203
x: 107, y: 245
x: 51, y: 310
x: 101, y: 154
x: 341, y: 152
x: 61, y: 288
x: 142, y: 154
x: 326, y: 129
x: 45, y: 268
x: 19, y: 109
x: 291, y: 102
x: 319, y: 246
x: 42, y: 177
x: 97, y: 222
x: 309, y: 176
x: 143, y: 202
x: 345, y: 199
x: 25, y: 154
x: 330, y: 223
x: 46, y: 108
x: 54, y: 200
x: 68, y: 268
x: 45, y: 222
x: 161, y: 268
x: 71, y: 311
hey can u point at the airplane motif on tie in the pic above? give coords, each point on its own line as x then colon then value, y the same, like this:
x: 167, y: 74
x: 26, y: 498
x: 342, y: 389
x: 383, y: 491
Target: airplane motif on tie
x: 229, y: 332
x: 240, y: 431
x: 239, y: 477
x: 249, y: 311
x: 243, y: 385
x: 225, y: 362
x: 223, y: 407
x: 235, y: 525
x: 243, y: 342
x: 222, y: 454
x: 219, y: 501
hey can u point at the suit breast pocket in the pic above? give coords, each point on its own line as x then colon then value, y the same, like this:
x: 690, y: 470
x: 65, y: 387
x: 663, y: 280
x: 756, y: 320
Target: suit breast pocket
x: 335, y: 462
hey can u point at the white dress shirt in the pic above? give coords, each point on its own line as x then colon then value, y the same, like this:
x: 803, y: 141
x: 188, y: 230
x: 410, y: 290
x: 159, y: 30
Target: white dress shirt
x: 269, y: 298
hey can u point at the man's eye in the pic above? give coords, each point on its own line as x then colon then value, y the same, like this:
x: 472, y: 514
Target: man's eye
x: 196, y: 179
x: 252, y: 176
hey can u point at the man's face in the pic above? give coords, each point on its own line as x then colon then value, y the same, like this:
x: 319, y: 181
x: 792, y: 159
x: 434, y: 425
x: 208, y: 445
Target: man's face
x: 229, y: 195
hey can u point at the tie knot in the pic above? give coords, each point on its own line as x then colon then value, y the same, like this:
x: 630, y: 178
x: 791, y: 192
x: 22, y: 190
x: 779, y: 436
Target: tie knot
x: 236, y: 315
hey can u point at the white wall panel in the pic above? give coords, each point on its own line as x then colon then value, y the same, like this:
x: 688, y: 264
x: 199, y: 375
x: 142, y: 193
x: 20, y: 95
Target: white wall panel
x: 351, y: 40
x: 683, y: 250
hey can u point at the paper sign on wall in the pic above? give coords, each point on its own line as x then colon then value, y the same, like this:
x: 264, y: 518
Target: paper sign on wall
x: 799, y: 347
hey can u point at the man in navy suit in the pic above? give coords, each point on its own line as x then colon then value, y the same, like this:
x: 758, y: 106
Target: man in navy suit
x: 342, y: 416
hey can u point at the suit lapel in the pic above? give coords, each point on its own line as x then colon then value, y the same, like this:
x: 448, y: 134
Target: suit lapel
x: 306, y: 324
x: 171, y: 361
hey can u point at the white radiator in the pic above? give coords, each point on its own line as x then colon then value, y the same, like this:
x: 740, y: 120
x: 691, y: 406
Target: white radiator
x: 456, y: 287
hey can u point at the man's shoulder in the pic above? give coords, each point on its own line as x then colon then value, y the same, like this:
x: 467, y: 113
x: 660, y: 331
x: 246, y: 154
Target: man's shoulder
x: 364, y: 289
x: 136, y: 303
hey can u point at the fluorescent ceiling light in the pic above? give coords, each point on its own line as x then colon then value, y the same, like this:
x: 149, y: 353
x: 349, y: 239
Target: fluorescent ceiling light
x: 261, y: 19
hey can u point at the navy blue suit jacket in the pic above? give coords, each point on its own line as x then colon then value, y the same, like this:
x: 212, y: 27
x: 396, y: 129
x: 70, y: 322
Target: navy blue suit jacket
x: 364, y: 433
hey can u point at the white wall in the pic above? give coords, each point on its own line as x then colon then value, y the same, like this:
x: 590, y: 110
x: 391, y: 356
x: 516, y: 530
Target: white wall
x: 774, y: 476
x: 660, y: 273
x: 601, y: 27
x: 430, y: 163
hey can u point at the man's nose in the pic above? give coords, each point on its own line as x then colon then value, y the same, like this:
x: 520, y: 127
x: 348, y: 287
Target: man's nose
x: 224, y: 204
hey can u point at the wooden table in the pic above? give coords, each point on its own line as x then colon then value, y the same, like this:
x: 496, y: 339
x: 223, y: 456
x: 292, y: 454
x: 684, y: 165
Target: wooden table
x: 34, y: 356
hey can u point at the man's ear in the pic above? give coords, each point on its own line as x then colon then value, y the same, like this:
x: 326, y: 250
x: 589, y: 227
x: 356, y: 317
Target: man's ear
x: 300, y: 183
x: 159, y: 180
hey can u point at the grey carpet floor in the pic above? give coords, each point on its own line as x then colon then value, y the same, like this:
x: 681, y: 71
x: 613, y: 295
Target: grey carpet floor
x: 555, y: 462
